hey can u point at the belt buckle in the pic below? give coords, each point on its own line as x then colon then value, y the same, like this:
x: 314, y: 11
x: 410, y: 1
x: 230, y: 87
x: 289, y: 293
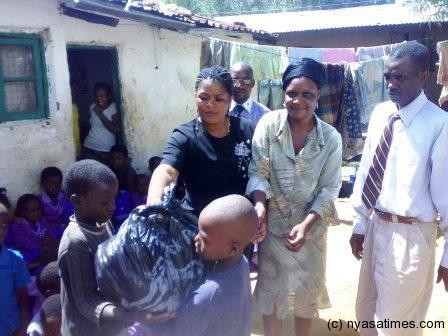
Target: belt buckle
x: 394, y: 218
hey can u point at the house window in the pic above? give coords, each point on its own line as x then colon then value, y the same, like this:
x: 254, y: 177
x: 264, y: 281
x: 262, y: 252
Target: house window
x: 23, y: 85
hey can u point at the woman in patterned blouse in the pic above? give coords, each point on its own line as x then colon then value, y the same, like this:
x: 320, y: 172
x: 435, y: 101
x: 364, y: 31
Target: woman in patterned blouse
x: 294, y: 176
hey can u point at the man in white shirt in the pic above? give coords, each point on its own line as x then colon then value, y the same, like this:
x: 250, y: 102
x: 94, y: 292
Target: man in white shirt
x: 243, y: 105
x: 399, y: 189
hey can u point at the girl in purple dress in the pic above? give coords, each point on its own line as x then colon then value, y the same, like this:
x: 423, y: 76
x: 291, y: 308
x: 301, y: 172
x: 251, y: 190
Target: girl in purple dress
x: 56, y: 207
x: 139, y: 196
x: 31, y: 232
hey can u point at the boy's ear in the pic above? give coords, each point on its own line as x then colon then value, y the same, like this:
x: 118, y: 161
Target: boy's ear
x: 235, y: 248
x: 77, y: 201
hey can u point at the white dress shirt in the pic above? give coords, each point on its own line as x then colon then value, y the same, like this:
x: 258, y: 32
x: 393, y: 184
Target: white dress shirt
x: 416, y: 176
x: 247, y: 104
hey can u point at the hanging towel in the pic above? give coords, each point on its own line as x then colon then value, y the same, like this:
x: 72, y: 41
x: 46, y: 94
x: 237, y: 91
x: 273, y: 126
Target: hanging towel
x: 336, y: 55
x: 296, y: 54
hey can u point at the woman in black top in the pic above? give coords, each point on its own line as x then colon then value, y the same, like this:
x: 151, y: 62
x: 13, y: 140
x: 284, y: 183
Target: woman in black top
x: 211, y: 152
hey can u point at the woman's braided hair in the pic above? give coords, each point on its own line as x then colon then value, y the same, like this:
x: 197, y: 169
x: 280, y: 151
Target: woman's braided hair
x: 217, y: 74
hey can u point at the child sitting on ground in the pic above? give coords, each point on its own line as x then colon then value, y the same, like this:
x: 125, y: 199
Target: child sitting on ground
x: 14, y: 277
x: 31, y: 233
x: 120, y: 163
x: 139, y: 196
x: 51, y: 316
x: 48, y: 283
x: 92, y: 188
x: 221, y: 306
x: 57, y: 208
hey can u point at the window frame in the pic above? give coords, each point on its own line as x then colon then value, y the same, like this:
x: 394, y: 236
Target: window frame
x: 40, y: 78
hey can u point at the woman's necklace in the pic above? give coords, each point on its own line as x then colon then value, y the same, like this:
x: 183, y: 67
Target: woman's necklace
x: 198, y: 120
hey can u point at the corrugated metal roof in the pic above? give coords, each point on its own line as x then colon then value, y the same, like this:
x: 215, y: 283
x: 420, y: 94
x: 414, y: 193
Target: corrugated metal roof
x: 364, y: 16
x: 178, y: 13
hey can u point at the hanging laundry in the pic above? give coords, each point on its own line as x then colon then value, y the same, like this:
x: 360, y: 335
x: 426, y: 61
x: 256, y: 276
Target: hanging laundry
x: 264, y: 91
x: 270, y: 93
x: 276, y: 98
x: 296, y: 54
x: 442, y: 75
x: 350, y: 109
x: 372, y: 87
x: 215, y: 52
x: 375, y: 52
x: 330, y: 95
x: 336, y: 55
x: 267, y: 62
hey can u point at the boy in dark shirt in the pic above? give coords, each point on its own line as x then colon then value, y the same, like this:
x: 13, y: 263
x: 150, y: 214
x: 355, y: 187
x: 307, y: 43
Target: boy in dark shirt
x: 221, y: 306
x: 91, y: 187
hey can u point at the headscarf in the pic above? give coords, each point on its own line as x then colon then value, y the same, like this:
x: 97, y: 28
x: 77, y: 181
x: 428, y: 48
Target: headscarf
x: 306, y: 67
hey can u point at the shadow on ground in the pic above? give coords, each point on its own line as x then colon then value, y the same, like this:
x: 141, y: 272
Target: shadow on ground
x: 320, y: 327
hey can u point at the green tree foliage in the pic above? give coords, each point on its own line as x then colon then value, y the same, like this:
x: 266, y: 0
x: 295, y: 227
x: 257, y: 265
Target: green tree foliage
x: 235, y: 7
x: 439, y: 8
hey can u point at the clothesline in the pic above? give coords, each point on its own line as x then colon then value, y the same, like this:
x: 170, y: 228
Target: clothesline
x: 348, y: 97
x: 430, y: 43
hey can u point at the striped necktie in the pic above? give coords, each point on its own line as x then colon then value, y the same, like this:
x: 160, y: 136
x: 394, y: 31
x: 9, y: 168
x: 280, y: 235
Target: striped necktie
x: 237, y: 110
x: 374, y: 181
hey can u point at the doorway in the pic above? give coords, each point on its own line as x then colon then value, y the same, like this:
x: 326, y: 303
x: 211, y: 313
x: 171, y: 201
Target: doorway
x: 89, y: 65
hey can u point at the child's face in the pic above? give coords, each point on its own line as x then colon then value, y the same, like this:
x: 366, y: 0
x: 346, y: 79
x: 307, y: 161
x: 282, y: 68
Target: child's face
x: 52, y: 185
x: 142, y: 185
x: 101, y: 98
x: 211, y: 244
x: 32, y: 211
x: 52, y: 326
x: 4, y: 221
x: 98, y: 204
x: 117, y: 161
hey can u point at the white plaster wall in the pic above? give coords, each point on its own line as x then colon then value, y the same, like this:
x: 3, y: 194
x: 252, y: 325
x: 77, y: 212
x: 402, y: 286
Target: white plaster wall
x: 157, y: 70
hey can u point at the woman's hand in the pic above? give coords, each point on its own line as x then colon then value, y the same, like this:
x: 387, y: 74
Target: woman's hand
x: 162, y: 176
x: 153, y: 318
x: 262, y: 219
x: 297, y: 237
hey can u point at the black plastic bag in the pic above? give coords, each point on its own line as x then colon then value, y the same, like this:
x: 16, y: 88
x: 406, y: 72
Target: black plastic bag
x: 150, y: 264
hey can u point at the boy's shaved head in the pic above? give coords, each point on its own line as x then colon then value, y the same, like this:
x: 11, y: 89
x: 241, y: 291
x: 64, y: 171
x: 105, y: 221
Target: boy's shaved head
x: 233, y: 216
x: 84, y: 175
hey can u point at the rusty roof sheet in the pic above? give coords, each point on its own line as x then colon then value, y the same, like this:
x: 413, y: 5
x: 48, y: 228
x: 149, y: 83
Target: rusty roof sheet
x: 182, y: 14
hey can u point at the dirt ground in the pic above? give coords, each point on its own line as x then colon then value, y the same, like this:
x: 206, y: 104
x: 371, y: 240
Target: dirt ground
x: 342, y: 281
